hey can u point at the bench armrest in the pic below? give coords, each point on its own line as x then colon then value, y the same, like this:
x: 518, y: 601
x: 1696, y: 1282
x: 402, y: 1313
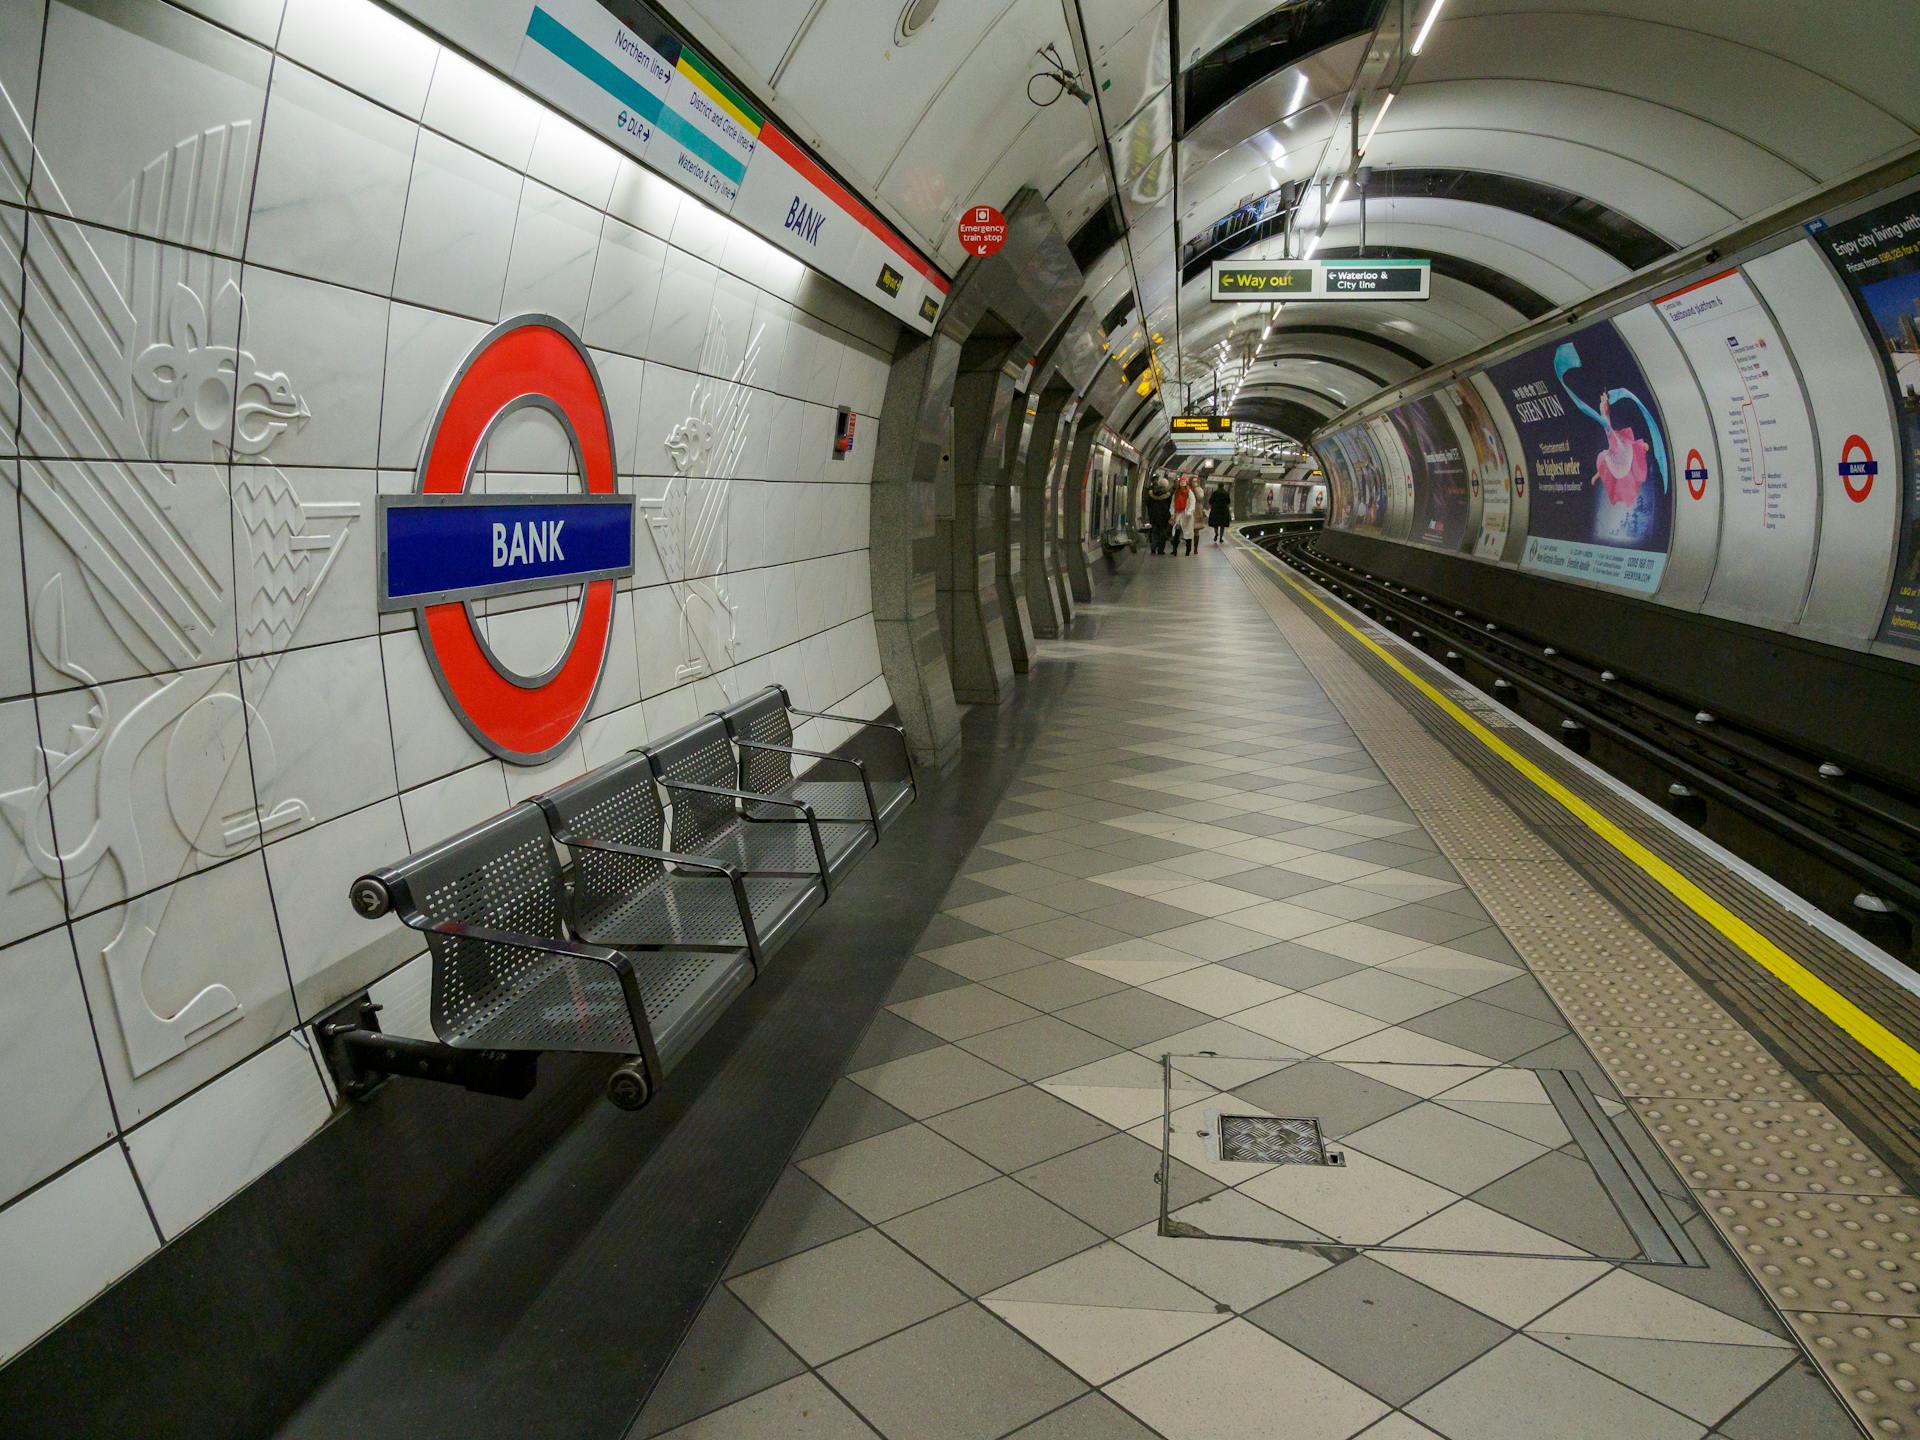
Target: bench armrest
x: 859, y: 768
x: 570, y: 949
x: 697, y: 788
x: 730, y: 873
x: 806, y: 813
x: 669, y: 857
x: 899, y: 733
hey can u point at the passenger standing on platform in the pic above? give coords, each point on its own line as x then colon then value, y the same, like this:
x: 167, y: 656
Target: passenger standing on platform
x: 1159, y: 515
x: 1186, y: 516
x: 1220, y: 512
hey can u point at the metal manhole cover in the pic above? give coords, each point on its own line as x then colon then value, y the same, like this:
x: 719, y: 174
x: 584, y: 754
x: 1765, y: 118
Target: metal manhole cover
x: 1271, y: 1140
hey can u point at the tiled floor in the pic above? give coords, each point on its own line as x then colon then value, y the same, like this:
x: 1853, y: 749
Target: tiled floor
x: 1200, y: 861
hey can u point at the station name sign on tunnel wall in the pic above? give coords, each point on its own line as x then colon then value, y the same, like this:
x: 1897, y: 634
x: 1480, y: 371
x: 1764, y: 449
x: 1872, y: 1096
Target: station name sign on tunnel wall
x: 1267, y: 281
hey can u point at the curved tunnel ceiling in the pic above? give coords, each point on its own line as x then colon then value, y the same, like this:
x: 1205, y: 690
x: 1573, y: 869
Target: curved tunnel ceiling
x: 1540, y: 149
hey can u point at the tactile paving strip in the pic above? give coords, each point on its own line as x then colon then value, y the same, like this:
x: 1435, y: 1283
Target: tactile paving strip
x: 1823, y: 1224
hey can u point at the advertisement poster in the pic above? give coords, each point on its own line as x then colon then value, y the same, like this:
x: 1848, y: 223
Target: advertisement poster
x: 1878, y: 255
x: 1396, y: 474
x: 1369, y: 481
x: 1441, y: 503
x: 1487, y: 463
x: 1595, y: 451
x: 1334, y: 464
x: 1770, y: 496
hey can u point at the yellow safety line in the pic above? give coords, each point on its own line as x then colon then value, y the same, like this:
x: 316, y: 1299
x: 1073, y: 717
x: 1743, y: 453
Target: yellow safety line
x: 1901, y: 1057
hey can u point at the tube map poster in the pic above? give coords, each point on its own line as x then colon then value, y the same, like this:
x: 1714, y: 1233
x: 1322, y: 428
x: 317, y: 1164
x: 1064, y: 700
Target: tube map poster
x: 1595, y: 450
x: 1878, y: 255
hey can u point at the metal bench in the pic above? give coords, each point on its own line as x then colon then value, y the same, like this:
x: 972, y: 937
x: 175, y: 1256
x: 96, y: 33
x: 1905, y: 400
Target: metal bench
x: 714, y: 815
x: 762, y: 726
x: 510, y: 980
x: 631, y: 892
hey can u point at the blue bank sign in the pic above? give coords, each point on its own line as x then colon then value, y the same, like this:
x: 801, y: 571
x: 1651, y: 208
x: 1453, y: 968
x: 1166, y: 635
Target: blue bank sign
x: 439, y: 548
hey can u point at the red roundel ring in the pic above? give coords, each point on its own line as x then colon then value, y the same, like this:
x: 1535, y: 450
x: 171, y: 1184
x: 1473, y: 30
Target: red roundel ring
x: 1855, y: 451
x: 527, y: 357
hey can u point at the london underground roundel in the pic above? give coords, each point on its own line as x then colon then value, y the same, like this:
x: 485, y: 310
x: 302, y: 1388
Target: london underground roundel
x: 445, y: 546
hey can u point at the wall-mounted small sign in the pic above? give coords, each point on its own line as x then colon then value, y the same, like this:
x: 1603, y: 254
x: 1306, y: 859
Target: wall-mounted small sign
x: 983, y: 230
x: 890, y: 280
x: 1270, y: 280
x: 843, y: 434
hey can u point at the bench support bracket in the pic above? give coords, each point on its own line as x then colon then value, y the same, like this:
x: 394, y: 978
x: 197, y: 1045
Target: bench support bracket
x: 361, y: 1058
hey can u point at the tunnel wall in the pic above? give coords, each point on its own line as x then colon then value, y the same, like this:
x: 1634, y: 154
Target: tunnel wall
x: 206, y: 727
x: 1741, y: 442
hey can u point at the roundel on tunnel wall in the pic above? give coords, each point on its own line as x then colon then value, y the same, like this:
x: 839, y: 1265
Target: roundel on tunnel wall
x: 444, y: 548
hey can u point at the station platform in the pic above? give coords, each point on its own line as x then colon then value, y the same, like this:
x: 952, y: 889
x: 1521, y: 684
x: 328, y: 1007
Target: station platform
x: 1551, y: 1186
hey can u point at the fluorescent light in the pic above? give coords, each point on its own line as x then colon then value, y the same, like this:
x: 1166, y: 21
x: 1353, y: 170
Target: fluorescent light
x: 1312, y: 245
x: 1427, y: 26
x: 1379, y: 115
x: 1341, y: 193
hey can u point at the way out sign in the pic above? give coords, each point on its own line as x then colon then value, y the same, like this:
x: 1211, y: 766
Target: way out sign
x: 983, y: 230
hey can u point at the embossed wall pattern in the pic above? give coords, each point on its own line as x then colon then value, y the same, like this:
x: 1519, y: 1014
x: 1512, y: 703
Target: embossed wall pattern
x: 243, y: 246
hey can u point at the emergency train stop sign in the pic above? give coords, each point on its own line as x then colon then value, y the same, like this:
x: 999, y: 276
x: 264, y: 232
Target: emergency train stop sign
x: 983, y: 230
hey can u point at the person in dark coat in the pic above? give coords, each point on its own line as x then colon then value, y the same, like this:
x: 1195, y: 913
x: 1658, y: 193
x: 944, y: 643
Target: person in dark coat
x: 1220, y: 513
x: 1160, y: 514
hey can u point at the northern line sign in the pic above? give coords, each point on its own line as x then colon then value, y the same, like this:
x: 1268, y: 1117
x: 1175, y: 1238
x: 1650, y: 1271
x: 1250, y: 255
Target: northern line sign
x: 1266, y: 281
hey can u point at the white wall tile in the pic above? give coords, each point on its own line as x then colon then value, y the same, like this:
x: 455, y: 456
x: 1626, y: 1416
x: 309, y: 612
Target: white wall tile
x: 314, y: 726
x: 610, y: 736
x: 424, y: 347
x: 681, y: 315
x: 304, y: 551
x: 458, y: 234
x: 190, y: 976
x: 20, y: 31
x: 57, y: 1108
x: 450, y: 804
x: 32, y: 895
x: 644, y: 199
x: 159, y: 779
x: 148, y: 120
x: 554, y: 245
x: 364, y: 47
x: 333, y: 183
x: 330, y: 344
x: 13, y: 248
x: 666, y: 400
x: 428, y: 741
x: 255, y: 19
x: 526, y: 781
x: 622, y: 379
x: 626, y: 284
x: 126, y: 343
x: 228, y: 1134
x: 15, y: 673
x: 480, y: 109
x: 332, y: 951
x: 65, y: 1243
x: 568, y: 158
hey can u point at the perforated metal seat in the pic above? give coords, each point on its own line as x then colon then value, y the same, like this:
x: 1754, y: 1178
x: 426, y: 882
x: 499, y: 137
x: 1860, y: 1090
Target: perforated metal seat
x: 630, y: 892
x: 715, y: 817
x: 762, y: 726
x: 491, y: 902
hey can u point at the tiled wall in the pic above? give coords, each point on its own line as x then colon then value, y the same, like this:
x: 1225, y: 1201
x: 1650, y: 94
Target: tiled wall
x: 243, y: 245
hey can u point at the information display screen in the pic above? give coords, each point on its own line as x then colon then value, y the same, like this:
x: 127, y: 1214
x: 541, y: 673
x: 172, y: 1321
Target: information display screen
x: 1594, y: 451
x: 1878, y: 256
